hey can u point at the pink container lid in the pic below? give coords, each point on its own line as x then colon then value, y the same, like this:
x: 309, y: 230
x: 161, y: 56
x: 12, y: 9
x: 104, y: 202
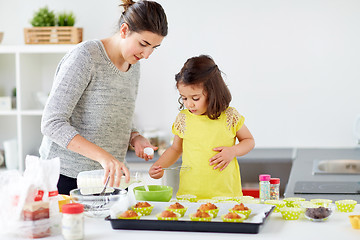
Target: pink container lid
x: 264, y: 177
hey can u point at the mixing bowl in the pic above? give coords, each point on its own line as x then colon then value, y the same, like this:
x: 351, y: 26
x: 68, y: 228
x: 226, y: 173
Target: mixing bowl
x: 156, y: 193
x: 96, y: 205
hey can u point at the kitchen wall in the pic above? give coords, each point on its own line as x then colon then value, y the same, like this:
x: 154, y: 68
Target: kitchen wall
x: 293, y: 66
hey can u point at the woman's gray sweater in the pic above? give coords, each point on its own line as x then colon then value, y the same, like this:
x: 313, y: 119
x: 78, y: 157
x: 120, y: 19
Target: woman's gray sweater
x: 90, y: 96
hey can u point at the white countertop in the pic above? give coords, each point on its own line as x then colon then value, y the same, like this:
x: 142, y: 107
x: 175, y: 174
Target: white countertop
x: 336, y: 227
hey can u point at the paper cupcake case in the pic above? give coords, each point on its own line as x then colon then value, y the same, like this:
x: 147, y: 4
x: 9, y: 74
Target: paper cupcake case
x: 345, y: 205
x: 143, y: 211
x: 181, y: 211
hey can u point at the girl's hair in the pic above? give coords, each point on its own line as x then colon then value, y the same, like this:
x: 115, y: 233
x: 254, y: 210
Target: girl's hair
x: 202, y: 70
x: 144, y: 16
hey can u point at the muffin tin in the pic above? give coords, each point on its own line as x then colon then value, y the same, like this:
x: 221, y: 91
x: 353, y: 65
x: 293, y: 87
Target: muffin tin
x: 259, y: 214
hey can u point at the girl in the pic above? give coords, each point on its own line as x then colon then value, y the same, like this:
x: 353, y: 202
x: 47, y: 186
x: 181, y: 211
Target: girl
x: 205, y: 134
x: 87, y: 121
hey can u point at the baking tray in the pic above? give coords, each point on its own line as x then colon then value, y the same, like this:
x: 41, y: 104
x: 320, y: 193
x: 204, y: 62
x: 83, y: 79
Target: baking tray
x: 185, y: 224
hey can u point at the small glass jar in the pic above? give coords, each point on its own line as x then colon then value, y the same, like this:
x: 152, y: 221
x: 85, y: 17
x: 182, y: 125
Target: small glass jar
x: 274, y: 188
x: 264, y: 187
x: 73, y: 221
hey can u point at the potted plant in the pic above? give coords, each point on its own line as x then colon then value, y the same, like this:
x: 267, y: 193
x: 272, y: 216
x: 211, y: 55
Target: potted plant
x: 51, y: 29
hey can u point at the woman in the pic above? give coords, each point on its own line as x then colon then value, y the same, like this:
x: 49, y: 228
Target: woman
x: 88, y: 119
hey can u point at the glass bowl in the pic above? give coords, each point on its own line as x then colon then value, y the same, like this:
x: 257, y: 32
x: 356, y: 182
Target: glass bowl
x: 318, y: 214
x: 96, y: 205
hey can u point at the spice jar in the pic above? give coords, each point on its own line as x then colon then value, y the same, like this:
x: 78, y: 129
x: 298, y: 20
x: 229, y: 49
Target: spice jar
x: 264, y: 187
x: 274, y: 188
x: 73, y: 221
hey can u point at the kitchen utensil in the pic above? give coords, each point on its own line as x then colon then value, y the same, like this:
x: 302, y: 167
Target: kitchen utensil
x: 178, y: 168
x: 158, y: 193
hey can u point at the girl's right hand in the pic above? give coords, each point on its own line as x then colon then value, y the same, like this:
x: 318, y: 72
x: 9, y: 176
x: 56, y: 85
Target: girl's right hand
x: 156, y: 171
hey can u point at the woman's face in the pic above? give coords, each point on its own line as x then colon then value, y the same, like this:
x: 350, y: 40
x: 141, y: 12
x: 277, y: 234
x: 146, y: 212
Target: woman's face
x: 194, y: 98
x: 138, y: 45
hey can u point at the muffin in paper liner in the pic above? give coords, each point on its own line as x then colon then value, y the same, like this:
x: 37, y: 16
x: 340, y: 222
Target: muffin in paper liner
x: 213, y: 212
x: 289, y: 201
x: 291, y: 213
x: 321, y: 202
x: 188, y: 197
x: 159, y: 217
x: 345, y: 205
x: 355, y: 221
x: 193, y: 218
x: 246, y: 213
x: 130, y: 218
x: 181, y: 211
x: 234, y: 220
x: 278, y: 204
x: 143, y: 210
x: 179, y: 200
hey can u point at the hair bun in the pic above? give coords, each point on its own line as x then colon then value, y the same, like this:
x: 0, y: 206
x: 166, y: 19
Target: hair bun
x: 126, y: 4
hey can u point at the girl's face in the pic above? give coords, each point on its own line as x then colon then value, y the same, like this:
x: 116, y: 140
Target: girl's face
x: 194, y: 98
x: 138, y: 45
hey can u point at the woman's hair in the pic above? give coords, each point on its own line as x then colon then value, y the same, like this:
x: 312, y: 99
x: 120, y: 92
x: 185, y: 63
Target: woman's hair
x: 203, y: 71
x: 144, y: 16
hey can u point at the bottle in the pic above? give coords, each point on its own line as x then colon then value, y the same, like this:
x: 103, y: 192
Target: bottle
x: 73, y: 221
x: 274, y: 188
x: 264, y: 187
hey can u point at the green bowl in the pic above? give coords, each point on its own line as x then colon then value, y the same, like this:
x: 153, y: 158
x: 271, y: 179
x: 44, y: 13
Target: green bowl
x: 156, y: 193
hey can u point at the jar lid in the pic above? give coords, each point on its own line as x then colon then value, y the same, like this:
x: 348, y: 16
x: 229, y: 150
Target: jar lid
x: 73, y: 208
x: 264, y: 177
x: 274, y: 180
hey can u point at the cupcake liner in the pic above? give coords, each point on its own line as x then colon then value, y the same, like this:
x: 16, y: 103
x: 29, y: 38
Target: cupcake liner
x: 181, y: 211
x: 246, y: 213
x: 207, y: 201
x: 345, y: 205
x: 143, y: 210
x: 237, y: 220
x: 159, y: 217
x: 290, y: 200
x: 189, y: 197
x: 192, y: 218
x: 222, y: 198
x: 290, y: 213
x: 321, y: 202
x: 278, y: 204
x: 243, y: 199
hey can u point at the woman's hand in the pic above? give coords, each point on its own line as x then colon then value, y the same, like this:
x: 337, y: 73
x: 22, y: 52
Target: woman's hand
x: 156, y: 171
x: 115, y: 169
x: 140, y: 143
x: 223, y: 158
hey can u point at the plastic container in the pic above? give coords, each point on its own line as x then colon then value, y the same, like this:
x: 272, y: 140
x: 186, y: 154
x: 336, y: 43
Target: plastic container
x: 274, y: 188
x: 92, y: 182
x: 264, y: 187
x: 73, y: 221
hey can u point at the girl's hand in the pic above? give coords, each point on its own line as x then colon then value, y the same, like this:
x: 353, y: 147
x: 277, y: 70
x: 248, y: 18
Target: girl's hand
x: 223, y: 158
x: 114, y: 167
x: 156, y: 171
x: 140, y: 143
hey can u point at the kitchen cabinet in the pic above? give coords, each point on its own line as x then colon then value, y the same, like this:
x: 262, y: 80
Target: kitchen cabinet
x: 29, y: 69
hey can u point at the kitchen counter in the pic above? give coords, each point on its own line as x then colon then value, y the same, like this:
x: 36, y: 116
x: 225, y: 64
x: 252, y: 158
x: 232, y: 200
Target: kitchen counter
x: 337, y: 227
x: 302, y: 170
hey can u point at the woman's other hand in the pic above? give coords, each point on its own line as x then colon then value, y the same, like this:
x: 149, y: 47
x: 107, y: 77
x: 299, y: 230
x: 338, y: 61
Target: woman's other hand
x: 140, y: 143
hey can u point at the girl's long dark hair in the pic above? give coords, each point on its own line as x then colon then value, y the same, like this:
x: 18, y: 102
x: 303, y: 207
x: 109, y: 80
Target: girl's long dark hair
x: 203, y: 71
